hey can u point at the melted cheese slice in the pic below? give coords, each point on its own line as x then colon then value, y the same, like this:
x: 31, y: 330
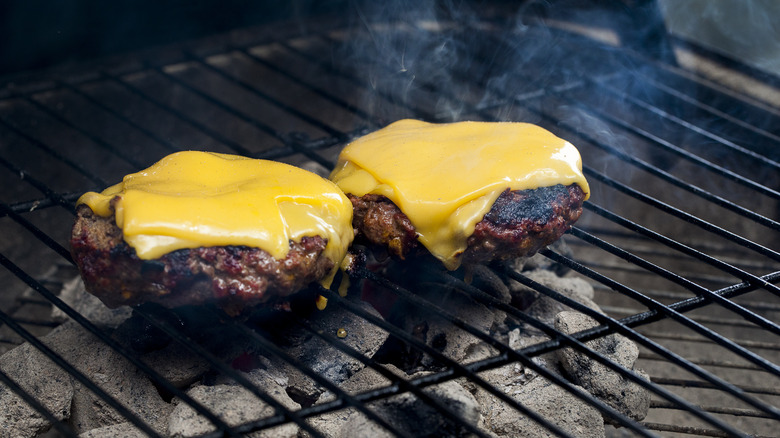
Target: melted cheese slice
x: 194, y: 199
x: 446, y: 177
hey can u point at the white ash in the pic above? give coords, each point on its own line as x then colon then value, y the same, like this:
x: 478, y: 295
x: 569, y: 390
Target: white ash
x: 89, y: 306
x: 625, y: 396
x: 412, y: 416
x: 68, y: 398
x: 42, y: 379
x: 547, y: 399
x: 456, y: 344
x: 119, y: 430
x: 439, y: 333
x: 407, y: 412
x: 519, y: 341
x: 322, y: 357
x: 489, y: 281
x: 116, y: 376
x: 235, y: 404
x: 177, y: 364
x: 545, y: 308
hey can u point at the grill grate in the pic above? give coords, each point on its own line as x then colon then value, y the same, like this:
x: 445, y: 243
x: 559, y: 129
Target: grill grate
x: 677, y: 238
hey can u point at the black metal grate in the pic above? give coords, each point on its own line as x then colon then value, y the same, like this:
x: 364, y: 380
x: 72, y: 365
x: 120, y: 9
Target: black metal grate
x: 679, y: 238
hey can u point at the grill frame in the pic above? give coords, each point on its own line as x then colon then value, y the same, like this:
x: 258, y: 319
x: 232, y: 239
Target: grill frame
x: 295, y: 143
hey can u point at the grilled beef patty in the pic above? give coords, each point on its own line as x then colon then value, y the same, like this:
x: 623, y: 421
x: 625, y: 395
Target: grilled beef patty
x: 232, y: 277
x: 518, y: 224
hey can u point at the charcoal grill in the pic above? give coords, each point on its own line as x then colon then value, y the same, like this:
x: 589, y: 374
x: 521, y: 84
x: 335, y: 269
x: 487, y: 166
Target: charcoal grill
x: 679, y: 239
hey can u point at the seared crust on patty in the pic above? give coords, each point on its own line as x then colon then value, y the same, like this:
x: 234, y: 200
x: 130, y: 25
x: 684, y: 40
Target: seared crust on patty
x: 377, y: 220
x: 233, y: 277
x: 518, y: 224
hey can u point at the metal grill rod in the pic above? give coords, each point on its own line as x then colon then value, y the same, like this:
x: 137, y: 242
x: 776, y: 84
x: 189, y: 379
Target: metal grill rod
x: 732, y: 322
x: 743, y: 342
x: 282, y: 412
x: 727, y: 204
x: 660, y: 66
x: 694, y: 430
x: 107, y: 109
x: 93, y: 138
x: 489, y: 363
x: 613, y: 266
x: 39, y: 144
x: 658, y: 311
x: 250, y: 88
x: 91, y: 328
x: 691, y: 275
x: 697, y: 361
x: 669, y: 312
x: 684, y: 363
x: 687, y: 383
x: 562, y: 92
x: 57, y: 245
x: 686, y: 124
x: 576, y: 341
x: 727, y: 291
x: 5, y: 210
x: 737, y: 412
x: 455, y: 369
x: 423, y: 84
x: 84, y: 380
x: 317, y: 90
x: 240, y: 115
x: 347, y: 398
x: 712, y: 261
x: 415, y: 109
x: 218, y: 103
x: 713, y: 111
x: 706, y: 164
x: 666, y: 208
x: 303, y: 146
x: 178, y: 114
x: 501, y: 347
x: 35, y: 404
x: 668, y: 177
x: 41, y: 203
x: 55, y: 242
x: 773, y: 224
x: 698, y: 301
x: 401, y: 384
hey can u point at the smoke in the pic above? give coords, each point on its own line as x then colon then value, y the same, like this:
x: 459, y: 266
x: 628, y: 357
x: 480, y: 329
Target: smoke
x: 453, y: 60
x: 746, y: 30
x: 411, y: 54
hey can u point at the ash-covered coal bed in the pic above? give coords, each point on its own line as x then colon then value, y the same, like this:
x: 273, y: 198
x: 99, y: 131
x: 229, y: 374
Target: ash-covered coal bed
x: 310, y: 336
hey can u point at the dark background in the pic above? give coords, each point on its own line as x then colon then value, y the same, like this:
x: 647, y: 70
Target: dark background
x: 40, y: 33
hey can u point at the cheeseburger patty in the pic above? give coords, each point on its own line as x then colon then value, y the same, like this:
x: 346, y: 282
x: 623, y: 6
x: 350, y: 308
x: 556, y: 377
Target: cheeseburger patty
x: 518, y: 224
x: 233, y: 277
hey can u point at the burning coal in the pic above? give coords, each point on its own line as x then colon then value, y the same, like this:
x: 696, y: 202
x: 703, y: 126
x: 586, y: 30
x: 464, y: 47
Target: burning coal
x: 391, y: 358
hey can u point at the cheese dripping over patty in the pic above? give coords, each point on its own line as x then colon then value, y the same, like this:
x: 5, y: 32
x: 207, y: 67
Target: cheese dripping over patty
x: 198, y: 199
x: 446, y: 177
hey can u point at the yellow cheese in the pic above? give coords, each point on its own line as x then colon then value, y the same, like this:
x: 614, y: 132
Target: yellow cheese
x: 446, y: 177
x: 194, y: 199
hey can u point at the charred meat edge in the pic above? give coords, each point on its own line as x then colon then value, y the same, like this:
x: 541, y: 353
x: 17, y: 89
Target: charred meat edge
x: 518, y: 224
x: 233, y: 277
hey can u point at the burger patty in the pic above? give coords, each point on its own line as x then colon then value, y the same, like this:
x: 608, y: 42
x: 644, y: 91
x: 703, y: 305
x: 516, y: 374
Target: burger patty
x: 232, y: 277
x: 518, y: 224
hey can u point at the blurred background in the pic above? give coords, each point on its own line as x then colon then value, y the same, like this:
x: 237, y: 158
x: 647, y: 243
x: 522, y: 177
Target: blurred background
x: 39, y: 33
